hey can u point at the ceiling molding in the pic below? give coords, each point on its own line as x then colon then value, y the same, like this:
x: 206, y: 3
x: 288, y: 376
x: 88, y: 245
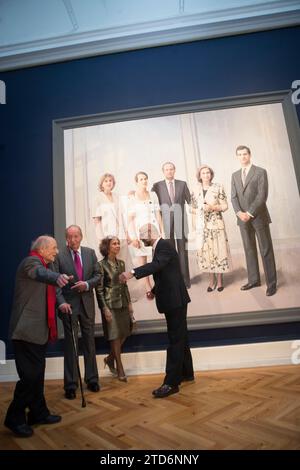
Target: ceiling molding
x: 184, y: 28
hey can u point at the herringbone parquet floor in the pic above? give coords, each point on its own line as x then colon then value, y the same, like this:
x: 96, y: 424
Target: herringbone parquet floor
x: 233, y: 409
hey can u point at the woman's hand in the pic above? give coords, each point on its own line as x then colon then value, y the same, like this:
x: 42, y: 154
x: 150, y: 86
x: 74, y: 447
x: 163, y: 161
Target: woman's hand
x: 108, y: 315
x: 207, y: 207
x: 130, y: 309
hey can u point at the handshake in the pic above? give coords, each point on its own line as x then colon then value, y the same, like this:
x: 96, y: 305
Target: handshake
x: 63, y: 280
x: 124, y: 277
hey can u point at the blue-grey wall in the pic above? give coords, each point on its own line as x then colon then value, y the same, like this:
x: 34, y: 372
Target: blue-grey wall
x: 216, y: 68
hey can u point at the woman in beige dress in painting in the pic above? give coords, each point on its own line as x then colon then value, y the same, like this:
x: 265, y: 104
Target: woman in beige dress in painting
x: 208, y: 202
x: 108, y: 216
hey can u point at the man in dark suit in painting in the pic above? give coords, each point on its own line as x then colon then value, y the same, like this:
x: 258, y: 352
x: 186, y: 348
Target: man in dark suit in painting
x: 172, y: 195
x: 249, y: 192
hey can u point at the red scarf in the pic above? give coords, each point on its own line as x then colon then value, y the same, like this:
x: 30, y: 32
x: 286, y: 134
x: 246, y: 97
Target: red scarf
x: 51, y: 301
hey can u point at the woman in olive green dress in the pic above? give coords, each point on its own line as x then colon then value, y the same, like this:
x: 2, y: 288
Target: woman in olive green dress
x: 114, y: 303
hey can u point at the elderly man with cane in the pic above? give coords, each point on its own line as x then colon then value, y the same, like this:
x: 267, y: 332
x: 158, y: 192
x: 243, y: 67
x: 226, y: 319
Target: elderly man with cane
x: 32, y: 325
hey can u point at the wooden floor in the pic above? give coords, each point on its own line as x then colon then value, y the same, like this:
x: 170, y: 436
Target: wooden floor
x: 233, y: 409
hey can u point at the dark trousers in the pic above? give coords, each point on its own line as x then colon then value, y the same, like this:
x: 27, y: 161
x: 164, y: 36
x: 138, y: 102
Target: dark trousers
x: 249, y: 234
x: 180, y: 246
x: 87, y: 326
x: 30, y: 362
x: 179, y: 358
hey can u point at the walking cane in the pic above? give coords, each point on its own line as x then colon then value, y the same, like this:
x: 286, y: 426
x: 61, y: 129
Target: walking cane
x: 83, y: 402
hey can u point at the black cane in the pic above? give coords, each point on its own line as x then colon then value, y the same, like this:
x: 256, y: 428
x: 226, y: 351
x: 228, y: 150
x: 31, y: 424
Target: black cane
x: 83, y: 402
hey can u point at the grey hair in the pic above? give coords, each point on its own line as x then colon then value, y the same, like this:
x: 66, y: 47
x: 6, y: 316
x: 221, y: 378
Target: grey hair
x: 148, y: 229
x: 41, y: 242
x: 73, y: 226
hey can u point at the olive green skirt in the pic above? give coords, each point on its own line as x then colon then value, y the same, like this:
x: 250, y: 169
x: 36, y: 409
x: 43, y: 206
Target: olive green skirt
x: 120, y: 326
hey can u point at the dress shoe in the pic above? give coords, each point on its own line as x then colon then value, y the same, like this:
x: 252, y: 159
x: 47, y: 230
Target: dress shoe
x: 50, y: 419
x: 249, y: 285
x: 20, y: 430
x: 93, y: 387
x: 165, y: 390
x: 220, y: 289
x: 271, y: 291
x: 70, y: 394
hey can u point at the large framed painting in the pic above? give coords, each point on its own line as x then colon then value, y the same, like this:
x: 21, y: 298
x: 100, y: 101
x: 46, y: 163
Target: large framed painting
x: 132, y: 146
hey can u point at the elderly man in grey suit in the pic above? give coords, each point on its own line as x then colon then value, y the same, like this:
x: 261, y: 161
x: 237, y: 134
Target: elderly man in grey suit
x: 249, y: 192
x: 32, y: 325
x: 172, y: 195
x: 78, y: 300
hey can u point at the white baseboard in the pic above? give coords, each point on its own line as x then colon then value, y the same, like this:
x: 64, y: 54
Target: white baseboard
x: 153, y: 362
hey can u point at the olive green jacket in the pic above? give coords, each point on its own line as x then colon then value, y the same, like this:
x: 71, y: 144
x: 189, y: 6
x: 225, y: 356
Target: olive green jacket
x: 110, y: 292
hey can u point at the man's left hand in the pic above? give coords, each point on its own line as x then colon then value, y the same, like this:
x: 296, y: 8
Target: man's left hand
x: 80, y: 286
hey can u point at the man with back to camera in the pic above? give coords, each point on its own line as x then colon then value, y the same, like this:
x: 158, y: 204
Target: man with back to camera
x: 78, y: 300
x: 249, y: 193
x: 172, y: 195
x: 32, y: 325
x: 171, y: 299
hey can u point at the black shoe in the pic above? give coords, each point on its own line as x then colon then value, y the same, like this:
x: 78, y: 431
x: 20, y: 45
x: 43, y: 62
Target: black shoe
x: 220, y: 289
x: 70, y: 394
x: 271, y: 291
x: 250, y: 286
x: 93, y: 387
x: 210, y: 289
x: 20, y: 430
x: 50, y: 419
x: 165, y: 390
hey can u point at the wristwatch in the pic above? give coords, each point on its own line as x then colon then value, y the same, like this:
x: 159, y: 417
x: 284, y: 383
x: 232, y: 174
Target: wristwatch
x: 133, y: 272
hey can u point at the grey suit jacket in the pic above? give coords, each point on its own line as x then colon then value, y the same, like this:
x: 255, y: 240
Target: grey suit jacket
x: 182, y: 195
x: 29, y: 311
x: 91, y: 274
x: 251, y: 198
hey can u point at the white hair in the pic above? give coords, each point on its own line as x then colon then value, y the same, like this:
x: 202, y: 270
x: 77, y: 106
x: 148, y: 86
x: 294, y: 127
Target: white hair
x: 41, y: 242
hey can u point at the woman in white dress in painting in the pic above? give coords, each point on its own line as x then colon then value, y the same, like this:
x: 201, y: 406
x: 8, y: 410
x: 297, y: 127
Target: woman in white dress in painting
x: 208, y: 202
x: 108, y: 217
x: 143, y: 209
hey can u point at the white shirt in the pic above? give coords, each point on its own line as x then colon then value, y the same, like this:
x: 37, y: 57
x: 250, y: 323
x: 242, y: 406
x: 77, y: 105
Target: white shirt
x: 168, y: 186
x: 247, y: 168
x: 79, y: 254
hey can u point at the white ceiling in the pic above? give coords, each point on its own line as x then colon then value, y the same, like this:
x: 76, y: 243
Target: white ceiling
x: 33, y: 32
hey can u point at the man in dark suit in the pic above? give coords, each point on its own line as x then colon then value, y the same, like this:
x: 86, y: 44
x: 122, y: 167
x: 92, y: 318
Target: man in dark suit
x: 78, y: 300
x: 32, y: 324
x: 171, y: 299
x: 172, y: 195
x: 249, y: 193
